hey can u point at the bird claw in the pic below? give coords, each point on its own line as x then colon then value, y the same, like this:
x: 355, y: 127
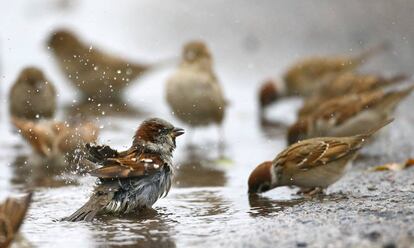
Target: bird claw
x: 310, y: 192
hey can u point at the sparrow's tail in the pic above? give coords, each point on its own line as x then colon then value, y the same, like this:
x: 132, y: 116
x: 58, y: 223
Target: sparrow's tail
x: 364, y: 137
x: 371, y: 52
x: 397, y: 78
x: 87, y: 212
x: 391, y: 99
x: 143, y: 68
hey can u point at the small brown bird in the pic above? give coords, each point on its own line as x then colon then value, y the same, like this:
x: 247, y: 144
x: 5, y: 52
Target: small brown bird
x: 12, y: 213
x: 311, y: 164
x: 134, y: 179
x: 347, y: 83
x: 32, y: 96
x: 53, y: 138
x: 347, y: 115
x: 98, y: 75
x: 193, y: 92
x: 307, y: 76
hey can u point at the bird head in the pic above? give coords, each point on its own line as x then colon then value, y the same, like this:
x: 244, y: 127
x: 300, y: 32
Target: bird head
x: 158, y: 135
x: 62, y: 40
x: 32, y: 76
x: 297, y: 132
x: 268, y: 93
x: 260, y: 180
x: 195, y: 51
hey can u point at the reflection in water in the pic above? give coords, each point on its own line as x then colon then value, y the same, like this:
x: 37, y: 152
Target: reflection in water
x: 86, y: 109
x: 261, y: 206
x: 148, y: 229
x: 205, y: 203
x: 273, y: 128
x: 197, y: 170
x: 39, y: 172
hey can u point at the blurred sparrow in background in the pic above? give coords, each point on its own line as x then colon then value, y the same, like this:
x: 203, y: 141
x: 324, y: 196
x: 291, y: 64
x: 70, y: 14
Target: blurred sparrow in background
x: 306, y: 77
x: 193, y: 91
x: 347, y: 115
x: 348, y: 83
x: 311, y: 164
x: 51, y: 139
x: 98, y: 75
x: 134, y: 179
x: 32, y: 96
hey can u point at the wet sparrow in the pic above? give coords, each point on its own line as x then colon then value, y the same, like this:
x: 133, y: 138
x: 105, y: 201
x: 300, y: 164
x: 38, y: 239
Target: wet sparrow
x: 12, y: 213
x: 50, y: 138
x: 309, y: 164
x: 193, y: 91
x: 347, y: 83
x: 32, y: 96
x: 347, y: 115
x: 98, y: 75
x: 134, y: 179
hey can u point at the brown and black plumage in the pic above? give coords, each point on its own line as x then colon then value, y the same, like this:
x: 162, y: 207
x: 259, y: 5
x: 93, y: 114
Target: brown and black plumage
x: 306, y: 76
x: 310, y: 164
x: 348, y: 115
x: 347, y: 83
x: 134, y: 179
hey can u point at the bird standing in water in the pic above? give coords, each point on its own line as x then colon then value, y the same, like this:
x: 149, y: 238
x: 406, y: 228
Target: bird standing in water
x: 134, y: 179
x: 193, y: 91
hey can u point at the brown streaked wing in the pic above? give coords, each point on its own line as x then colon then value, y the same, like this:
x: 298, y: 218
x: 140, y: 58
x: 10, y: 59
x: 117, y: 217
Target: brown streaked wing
x: 312, y: 153
x: 130, y: 165
x: 344, y: 107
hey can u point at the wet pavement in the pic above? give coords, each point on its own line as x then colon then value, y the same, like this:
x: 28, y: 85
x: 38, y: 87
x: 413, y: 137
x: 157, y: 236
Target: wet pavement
x: 208, y: 205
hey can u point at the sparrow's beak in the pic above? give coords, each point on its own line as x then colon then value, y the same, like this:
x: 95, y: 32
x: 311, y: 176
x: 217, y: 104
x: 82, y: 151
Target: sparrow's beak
x: 178, y: 131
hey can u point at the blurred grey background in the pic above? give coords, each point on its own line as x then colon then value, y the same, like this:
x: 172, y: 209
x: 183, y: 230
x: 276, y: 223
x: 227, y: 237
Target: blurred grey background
x: 251, y: 39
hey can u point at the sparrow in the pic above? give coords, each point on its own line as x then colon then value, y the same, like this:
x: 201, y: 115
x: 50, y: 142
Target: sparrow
x: 305, y: 77
x: 50, y: 138
x: 267, y: 95
x: 193, y: 91
x: 12, y: 213
x: 347, y: 115
x: 134, y: 179
x: 98, y: 75
x: 32, y: 95
x: 348, y: 83
x: 311, y: 164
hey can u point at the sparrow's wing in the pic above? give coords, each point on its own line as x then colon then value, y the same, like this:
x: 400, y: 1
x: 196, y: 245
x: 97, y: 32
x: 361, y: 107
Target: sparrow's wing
x: 98, y: 154
x: 129, y: 165
x: 340, y: 109
x: 314, y: 152
x: 39, y: 135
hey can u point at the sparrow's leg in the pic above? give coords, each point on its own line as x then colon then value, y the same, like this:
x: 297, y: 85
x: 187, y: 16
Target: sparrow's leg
x: 310, y: 191
x: 189, y: 136
x: 221, y: 142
